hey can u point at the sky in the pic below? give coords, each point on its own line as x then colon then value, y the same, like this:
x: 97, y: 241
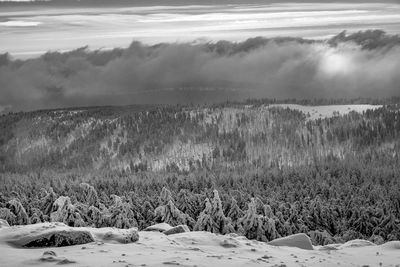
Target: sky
x: 29, y: 32
x: 123, y: 63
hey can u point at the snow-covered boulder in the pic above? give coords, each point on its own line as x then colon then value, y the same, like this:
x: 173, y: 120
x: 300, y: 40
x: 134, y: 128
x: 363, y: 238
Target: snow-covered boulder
x: 123, y: 236
x: 59, y: 234
x: 160, y: 227
x: 391, y: 245
x: 59, y: 239
x: 51, y: 256
x: 177, y: 230
x: 229, y: 242
x: 357, y: 243
x: 298, y: 240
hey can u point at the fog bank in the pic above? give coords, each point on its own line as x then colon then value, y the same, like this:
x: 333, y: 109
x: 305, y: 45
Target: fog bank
x: 365, y: 64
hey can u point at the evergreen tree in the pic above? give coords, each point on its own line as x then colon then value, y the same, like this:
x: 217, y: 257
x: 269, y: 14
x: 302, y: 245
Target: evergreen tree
x: 7, y: 215
x: 89, y: 195
x: 167, y: 212
x: 15, y: 206
x: 252, y: 222
x: 121, y: 215
x: 235, y: 213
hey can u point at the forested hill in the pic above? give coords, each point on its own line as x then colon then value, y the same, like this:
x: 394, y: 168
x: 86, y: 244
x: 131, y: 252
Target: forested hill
x: 180, y: 138
x: 259, y: 170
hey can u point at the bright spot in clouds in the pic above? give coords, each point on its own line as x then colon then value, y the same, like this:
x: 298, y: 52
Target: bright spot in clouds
x: 335, y: 62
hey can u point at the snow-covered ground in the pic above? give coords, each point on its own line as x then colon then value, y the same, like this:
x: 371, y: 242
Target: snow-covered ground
x: 327, y: 111
x: 185, y: 249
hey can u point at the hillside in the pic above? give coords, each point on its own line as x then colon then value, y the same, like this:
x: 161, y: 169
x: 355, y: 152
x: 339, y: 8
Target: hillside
x: 259, y: 169
x: 164, y: 138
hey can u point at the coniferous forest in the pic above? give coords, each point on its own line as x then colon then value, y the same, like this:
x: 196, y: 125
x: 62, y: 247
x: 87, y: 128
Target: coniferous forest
x: 248, y: 168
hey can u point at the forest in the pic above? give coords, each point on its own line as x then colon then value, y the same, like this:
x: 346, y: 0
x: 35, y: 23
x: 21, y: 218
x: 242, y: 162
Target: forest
x: 246, y: 168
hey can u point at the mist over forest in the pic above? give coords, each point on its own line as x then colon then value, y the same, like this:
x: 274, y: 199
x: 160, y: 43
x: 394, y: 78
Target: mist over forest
x: 363, y: 64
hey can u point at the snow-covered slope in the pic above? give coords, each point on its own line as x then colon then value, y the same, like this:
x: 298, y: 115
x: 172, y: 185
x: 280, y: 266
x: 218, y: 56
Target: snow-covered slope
x: 186, y: 249
x: 327, y: 111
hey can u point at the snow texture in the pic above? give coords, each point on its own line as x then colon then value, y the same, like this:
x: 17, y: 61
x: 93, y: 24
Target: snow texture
x: 188, y: 249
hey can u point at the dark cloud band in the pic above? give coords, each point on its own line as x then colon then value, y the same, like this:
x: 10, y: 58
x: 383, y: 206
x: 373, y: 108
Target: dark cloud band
x: 364, y: 64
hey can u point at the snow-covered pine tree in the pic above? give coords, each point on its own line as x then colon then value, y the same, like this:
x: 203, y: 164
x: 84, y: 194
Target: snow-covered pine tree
x: 279, y: 224
x: 222, y: 224
x: 15, y: 206
x: 7, y: 215
x: 253, y: 223
x: 186, y: 203
x: 121, y: 214
x: 212, y: 218
x: 60, y: 209
x: 48, y: 198
x: 270, y: 229
x: 235, y: 213
x: 205, y: 222
x: 36, y: 216
x: 89, y: 194
x: 96, y: 217
x: 64, y: 211
x: 165, y: 196
x: 147, y: 214
x: 167, y: 212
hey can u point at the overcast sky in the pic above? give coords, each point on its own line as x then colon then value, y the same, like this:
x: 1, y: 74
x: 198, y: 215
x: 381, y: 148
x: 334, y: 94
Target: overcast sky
x: 183, y: 70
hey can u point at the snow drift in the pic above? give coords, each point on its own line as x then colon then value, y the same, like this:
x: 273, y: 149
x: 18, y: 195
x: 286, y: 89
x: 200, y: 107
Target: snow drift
x: 187, y: 249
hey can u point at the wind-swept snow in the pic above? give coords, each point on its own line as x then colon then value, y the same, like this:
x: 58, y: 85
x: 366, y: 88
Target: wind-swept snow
x: 298, y: 240
x: 186, y: 249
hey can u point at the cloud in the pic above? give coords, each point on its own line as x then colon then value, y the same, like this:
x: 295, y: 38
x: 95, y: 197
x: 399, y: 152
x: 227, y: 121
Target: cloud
x: 345, y: 66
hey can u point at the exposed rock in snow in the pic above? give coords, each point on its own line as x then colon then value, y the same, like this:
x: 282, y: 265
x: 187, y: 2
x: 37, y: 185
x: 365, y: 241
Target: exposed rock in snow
x: 51, y: 256
x: 298, y: 240
x: 177, y: 230
x: 49, y: 236
x: 123, y: 236
x: 59, y: 234
x: 160, y: 227
x: 229, y: 243
x: 59, y: 239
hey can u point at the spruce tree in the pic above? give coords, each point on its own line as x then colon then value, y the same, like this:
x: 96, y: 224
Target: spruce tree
x: 213, y: 219
x: 167, y: 212
x: 121, y: 214
x: 15, y: 206
x: 235, y: 213
x: 252, y: 222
